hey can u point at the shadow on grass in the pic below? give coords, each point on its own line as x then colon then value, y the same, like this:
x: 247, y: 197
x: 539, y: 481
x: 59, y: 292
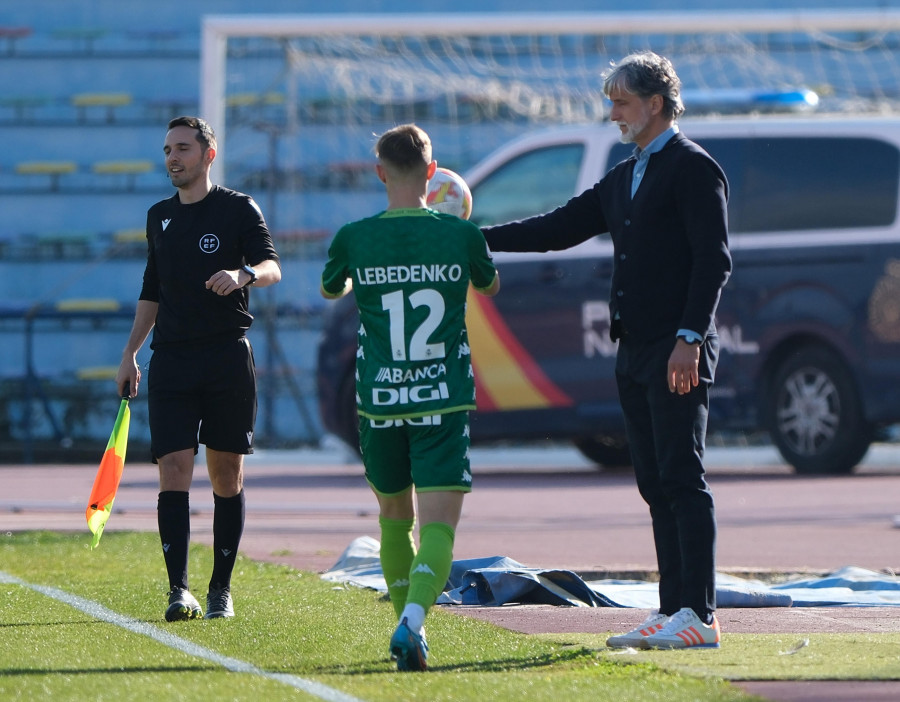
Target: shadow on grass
x: 498, y: 665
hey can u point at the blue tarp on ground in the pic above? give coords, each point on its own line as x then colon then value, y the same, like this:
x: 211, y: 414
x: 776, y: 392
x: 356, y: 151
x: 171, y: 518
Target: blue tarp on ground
x: 498, y: 580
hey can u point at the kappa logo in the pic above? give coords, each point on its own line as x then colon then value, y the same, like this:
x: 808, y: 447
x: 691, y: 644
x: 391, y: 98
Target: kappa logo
x: 165, y: 223
x: 209, y: 243
x: 423, y: 568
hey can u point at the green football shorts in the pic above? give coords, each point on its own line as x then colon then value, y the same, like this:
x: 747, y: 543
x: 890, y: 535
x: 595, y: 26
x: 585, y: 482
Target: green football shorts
x: 431, y: 453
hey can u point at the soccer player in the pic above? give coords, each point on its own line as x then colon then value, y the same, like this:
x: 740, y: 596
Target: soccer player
x: 410, y: 268
x: 207, y: 246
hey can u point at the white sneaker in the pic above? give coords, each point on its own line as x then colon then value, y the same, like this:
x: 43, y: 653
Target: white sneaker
x: 684, y: 630
x: 633, y: 638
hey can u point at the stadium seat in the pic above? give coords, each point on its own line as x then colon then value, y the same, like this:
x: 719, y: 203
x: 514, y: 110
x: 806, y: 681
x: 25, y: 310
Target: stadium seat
x: 12, y: 35
x: 129, y: 243
x: 237, y: 103
x: 7, y: 241
x: 110, y: 101
x: 63, y: 245
x: 292, y: 242
x: 127, y: 169
x: 88, y: 304
x: 53, y: 169
x: 83, y: 38
x: 97, y: 373
x: 161, y: 110
x: 130, y: 236
x: 154, y: 38
x: 22, y: 106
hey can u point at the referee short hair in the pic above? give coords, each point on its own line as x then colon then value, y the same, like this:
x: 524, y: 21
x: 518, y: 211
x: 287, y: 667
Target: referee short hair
x: 205, y: 134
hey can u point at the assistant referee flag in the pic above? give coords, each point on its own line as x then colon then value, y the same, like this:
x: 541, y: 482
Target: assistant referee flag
x: 108, y: 475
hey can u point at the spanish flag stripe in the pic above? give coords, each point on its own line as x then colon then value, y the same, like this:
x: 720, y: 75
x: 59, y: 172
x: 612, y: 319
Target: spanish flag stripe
x: 504, y: 370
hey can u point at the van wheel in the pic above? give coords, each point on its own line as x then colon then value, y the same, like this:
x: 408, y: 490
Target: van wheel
x: 814, y: 413
x: 607, y: 451
x: 348, y: 425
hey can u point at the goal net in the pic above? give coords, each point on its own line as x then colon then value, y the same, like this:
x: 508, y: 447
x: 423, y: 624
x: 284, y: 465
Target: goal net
x: 297, y: 100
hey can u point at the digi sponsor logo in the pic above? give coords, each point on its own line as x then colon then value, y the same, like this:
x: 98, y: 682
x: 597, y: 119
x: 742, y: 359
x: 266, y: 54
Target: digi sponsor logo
x: 433, y: 420
x: 209, y: 243
x: 405, y: 395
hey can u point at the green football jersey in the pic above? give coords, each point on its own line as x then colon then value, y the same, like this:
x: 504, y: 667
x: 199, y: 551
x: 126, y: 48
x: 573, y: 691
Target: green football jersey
x: 411, y: 270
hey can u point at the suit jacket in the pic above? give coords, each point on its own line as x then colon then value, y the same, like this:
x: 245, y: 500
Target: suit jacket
x: 671, y: 257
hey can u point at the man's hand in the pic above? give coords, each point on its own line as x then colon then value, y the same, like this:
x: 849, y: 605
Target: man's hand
x: 128, y: 377
x: 683, y: 371
x: 226, y: 282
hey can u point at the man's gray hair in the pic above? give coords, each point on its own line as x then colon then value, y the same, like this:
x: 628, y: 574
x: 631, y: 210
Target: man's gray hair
x: 646, y: 74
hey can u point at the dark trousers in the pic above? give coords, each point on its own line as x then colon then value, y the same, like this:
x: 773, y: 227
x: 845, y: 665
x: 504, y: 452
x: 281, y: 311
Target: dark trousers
x: 667, y: 435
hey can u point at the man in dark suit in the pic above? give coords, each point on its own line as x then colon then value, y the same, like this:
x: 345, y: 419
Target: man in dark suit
x: 665, y: 209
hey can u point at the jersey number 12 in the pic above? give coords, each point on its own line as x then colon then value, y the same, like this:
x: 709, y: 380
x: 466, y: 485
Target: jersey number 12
x: 419, y: 348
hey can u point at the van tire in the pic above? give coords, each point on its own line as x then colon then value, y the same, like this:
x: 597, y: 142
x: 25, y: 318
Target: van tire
x: 606, y: 451
x: 814, y: 414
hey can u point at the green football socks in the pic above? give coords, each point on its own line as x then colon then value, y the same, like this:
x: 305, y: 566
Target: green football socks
x: 397, y: 553
x: 432, y: 564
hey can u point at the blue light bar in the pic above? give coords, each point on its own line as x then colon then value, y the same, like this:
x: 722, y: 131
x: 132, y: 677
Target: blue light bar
x: 750, y: 100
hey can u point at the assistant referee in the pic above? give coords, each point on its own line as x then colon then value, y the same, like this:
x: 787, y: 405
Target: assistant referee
x: 206, y: 246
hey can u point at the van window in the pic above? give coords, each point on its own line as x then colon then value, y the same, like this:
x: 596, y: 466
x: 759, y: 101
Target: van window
x: 799, y: 183
x: 532, y: 183
x: 803, y: 183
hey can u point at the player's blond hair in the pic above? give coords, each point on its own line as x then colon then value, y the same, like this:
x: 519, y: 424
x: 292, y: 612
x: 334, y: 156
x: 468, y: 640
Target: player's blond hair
x: 405, y: 147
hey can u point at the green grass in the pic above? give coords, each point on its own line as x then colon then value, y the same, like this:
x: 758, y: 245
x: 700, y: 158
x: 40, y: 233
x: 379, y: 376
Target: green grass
x: 292, y: 622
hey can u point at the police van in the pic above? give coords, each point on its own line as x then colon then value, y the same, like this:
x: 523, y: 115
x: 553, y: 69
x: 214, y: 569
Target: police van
x: 809, y: 322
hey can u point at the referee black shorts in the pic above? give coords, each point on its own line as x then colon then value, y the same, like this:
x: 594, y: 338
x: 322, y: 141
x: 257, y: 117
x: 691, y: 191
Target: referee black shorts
x: 204, y: 394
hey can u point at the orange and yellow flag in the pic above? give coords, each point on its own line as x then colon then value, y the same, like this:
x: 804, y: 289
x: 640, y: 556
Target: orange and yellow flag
x: 108, y: 475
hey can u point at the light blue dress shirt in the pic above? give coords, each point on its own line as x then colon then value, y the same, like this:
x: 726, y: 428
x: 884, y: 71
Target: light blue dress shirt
x: 643, y: 156
x: 637, y: 177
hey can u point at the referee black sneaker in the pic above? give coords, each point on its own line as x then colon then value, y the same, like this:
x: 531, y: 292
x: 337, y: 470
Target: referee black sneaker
x: 182, y: 606
x: 218, y: 604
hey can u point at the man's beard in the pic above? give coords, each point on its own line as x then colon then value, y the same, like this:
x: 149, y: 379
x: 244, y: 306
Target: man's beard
x: 631, y: 131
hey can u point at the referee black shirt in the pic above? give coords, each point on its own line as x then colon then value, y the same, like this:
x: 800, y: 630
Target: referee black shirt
x: 186, y: 245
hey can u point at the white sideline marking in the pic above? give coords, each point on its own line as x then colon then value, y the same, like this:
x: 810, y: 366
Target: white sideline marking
x: 235, y: 665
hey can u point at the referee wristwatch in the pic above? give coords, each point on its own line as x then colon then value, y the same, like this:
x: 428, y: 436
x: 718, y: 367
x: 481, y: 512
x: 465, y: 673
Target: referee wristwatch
x: 249, y: 270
